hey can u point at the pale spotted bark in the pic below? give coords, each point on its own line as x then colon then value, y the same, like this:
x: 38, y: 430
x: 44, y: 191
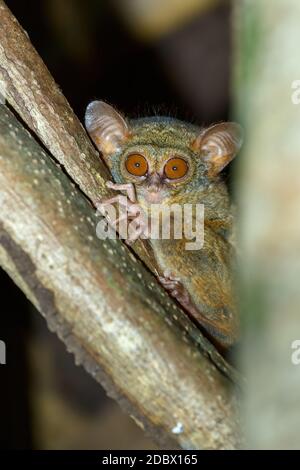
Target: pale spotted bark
x: 97, y: 296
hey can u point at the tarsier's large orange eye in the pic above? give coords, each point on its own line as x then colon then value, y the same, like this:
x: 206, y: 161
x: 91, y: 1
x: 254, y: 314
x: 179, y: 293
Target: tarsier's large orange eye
x: 176, y: 168
x: 136, y: 164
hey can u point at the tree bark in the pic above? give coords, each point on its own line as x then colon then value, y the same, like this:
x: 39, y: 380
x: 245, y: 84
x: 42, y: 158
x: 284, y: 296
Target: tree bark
x: 96, y: 295
x: 103, y: 303
x: 30, y: 89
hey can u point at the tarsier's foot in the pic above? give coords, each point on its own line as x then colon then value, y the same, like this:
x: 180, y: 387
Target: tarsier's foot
x: 130, y: 219
x: 175, y: 288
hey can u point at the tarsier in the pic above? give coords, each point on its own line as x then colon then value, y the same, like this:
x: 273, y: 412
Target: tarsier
x: 166, y: 161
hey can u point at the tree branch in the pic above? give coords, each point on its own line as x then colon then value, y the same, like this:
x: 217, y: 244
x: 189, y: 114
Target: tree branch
x: 30, y: 89
x: 28, y: 86
x: 97, y: 296
x: 103, y: 303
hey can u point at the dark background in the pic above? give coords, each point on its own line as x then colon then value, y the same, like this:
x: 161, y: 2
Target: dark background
x: 45, y: 400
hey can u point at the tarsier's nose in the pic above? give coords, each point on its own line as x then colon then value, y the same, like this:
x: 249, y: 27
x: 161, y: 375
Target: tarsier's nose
x: 154, y: 182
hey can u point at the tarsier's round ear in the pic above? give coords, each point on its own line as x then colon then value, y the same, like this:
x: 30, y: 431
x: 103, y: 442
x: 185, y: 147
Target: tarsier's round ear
x: 107, y: 128
x: 218, y: 145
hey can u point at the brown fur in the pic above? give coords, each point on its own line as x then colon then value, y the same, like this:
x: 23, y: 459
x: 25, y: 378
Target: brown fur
x: 206, y: 274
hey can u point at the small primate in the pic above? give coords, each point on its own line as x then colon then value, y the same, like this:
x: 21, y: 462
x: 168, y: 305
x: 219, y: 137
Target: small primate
x: 160, y: 160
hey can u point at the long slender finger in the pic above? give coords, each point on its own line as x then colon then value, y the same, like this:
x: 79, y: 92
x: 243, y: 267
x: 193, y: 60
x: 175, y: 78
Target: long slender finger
x: 127, y: 187
x: 133, y: 236
x: 122, y: 200
x: 169, y: 284
x: 135, y: 210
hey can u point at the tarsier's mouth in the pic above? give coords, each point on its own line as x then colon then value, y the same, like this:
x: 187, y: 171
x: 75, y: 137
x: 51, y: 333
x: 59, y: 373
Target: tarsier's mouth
x: 154, y: 197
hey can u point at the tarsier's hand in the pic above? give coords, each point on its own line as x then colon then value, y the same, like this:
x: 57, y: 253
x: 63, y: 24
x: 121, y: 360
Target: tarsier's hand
x: 172, y: 162
x: 131, y: 222
x: 175, y: 288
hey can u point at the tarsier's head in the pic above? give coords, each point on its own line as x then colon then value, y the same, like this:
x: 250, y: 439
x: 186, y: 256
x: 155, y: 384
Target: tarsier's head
x: 162, y: 157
